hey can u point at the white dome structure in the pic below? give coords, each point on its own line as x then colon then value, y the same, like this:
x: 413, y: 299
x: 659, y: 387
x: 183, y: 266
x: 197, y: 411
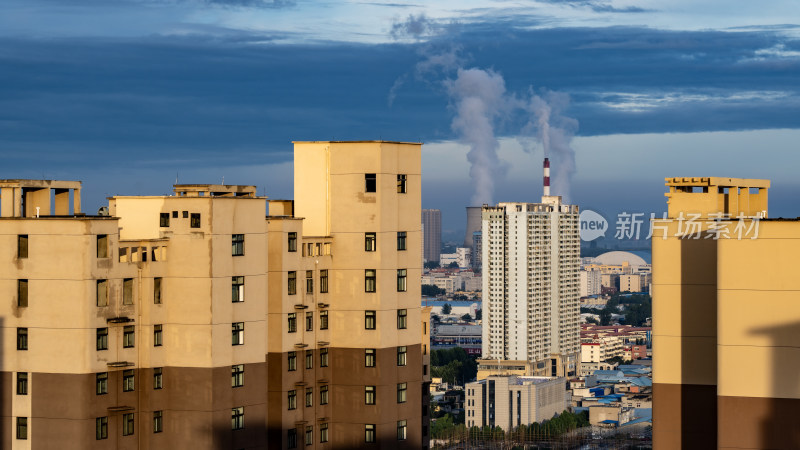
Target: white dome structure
x: 617, y: 258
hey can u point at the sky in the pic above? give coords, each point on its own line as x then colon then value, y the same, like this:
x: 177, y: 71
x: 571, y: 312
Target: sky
x: 128, y: 95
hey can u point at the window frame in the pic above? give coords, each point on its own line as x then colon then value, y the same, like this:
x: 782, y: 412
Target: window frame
x: 309, y: 359
x: 128, y: 380
x: 194, y: 220
x: 370, y: 435
x: 402, y: 319
x: 22, y: 383
x: 158, y: 378
x: 370, y: 182
x: 163, y: 220
x: 370, y: 357
x: 402, y: 241
x: 402, y: 180
x: 402, y: 430
x: 291, y: 282
x: 101, y: 383
x: 323, y: 394
x: 237, y: 375
x: 237, y: 289
x: 158, y: 284
x: 158, y: 335
x: 309, y: 397
x: 370, y: 319
x: 128, y: 424
x: 237, y: 418
x: 22, y: 428
x: 402, y: 392
x: 129, y: 336
x: 371, y: 241
x: 22, y: 292
x: 101, y: 428
x: 323, y: 357
x: 291, y: 322
x: 102, y: 246
x: 291, y: 361
x: 291, y: 242
x: 309, y: 321
x: 323, y: 319
x: 127, y: 291
x: 158, y: 421
x: 237, y: 333
x: 101, y: 293
x: 323, y: 281
x: 237, y: 244
x: 323, y: 432
x: 402, y: 355
x: 370, y: 394
x: 101, y: 339
x: 309, y: 436
x: 291, y: 399
x: 402, y: 280
x: 23, y: 246
x: 22, y: 338
x: 370, y: 280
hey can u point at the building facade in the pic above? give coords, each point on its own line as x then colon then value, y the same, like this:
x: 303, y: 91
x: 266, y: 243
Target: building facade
x: 510, y: 401
x: 191, y: 321
x: 432, y: 241
x: 531, y: 285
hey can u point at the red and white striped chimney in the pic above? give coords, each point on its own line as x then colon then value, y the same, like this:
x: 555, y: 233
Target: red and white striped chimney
x: 546, y: 190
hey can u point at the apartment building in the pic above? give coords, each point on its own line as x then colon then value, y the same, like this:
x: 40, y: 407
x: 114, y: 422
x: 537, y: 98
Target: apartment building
x: 196, y: 320
x: 590, y: 282
x: 531, y: 283
x: 510, y: 401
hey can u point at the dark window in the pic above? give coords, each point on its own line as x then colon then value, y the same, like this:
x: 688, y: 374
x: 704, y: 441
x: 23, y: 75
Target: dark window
x: 291, y: 438
x: 292, y: 322
x: 402, y: 353
x: 237, y: 245
x: 157, y: 290
x: 369, y: 320
x: 194, y: 222
x: 402, y: 319
x: 22, y: 246
x: 292, y: 399
x: 370, y: 242
x: 128, y: 380
x: 309, y: 435
x: 323, y: 320
x: 292, y: 282
x: 185, y: 214
x: 309, y: 397
x: 237, y: 289
x: 369, y: 357
x: 401, y: 240
x: 158, y: 335
x: 323, y: 432
x: 292, y: 241
x: 101, y: 383
x: 237, y: 418
x: 22, y: 293
x: 309, y: 359
x: 127, y: 291
x: 323, y: 357
x: 22, y: 338
x: 309, y: 281
x: 22, y: 428
x: 102, y: 246
x: 101, y: 428
x: 163, y: 220
x: 369, y: 280
x: 237, y: 375
x: 402, y: 429
x: 127, y: 424
x: 158, y: 378
x: 102, y: 338
x: 22, y: 383
x: 129, y: 336
x: 401, y: 280
x: 102, y: 292
x: 401, y: 184
x: 402, y: 389
x: 369, y: 433
x: 309, y: 321
x: 370, y: 182
x: 323, y: 394
x: 369, y: 395
x: 174, y: 214
x: 323, y: 281
x: 237, y: 330
x: 158, y: 424
x: 292, y: 361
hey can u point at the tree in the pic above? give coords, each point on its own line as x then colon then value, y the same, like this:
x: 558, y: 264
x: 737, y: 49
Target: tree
x: 591, y: 320
x: 431, y: 290
x: 605, y: 316
x: 466, y: 318
x: 453, y: 265
x: 446, y: 308
x: 431, y: 264
x: 478, y: 314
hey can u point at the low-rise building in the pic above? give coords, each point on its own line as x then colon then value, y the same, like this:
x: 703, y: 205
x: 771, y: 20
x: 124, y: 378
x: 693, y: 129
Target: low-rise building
x: 511, y: 401
x: 499, y: 367
x: 468, y: 337
x: 610, y: 416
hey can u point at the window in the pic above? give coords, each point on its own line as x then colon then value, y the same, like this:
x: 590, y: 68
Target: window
x: 369, y: 432
x: 102, y: 292
x: 309, y: 435
x: 309, y: 397
x: 292, y: 361
x: 127, y: 291
x: 323, y: 394
x: 402, y: 352
x: 102, y: 339
x: 185, y: 214
x: 22, y: 338
x: 401, y: 280
x: 309, y: 359
x: 237, y: 375
x: 291, y: 438
x: 292, y: 399
x: 158, y: 421
x: 323, y: 357
x: 369, y: 320
x: 101, y: 383
x: 402, y: 388
x: 323, y: 320
x: 292, y: 244
x: 195, y: 220
x: 237, y: 289
x: 158, y: 335
x: 402, y: 428
x: 323, y: 432
x: 292, y: 287
x: 369, y: 357
x: 370, y: 182
x: 22, y: 383
x: 237, y: 418
x: 401, y: 240
x: 22, y: 293
x: 157, y: 290
x: 158, y: 381
x: 323, y: 281
x: 369, y: 280
x: 402, y: 319
x: 22, y: 428
x: 369, y: 395
x: 309, y: 281
x: 163, y: 220
x: 128, y: 380
x: 401, y: 183
x: 292, y: 322
x: 101, y: 428
x: 237, y: 245
x: 174, y: 214
x: 102, y: 246
x: 370, y: 242
x: 128, y: 336
x: 22, y: 246
x: 127, y: 424
x: 237, y: 329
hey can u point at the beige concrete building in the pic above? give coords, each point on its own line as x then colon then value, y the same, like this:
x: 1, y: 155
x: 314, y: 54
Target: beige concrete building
x: 500, y: 367
x: 721, y: 304
x: 531, y: 283
x: 191, y: 321
x: 510, y: 401
x: 631, y: 283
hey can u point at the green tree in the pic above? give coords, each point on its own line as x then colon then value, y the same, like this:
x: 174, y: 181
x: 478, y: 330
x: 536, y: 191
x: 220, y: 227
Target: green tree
x: 446, y: 308
x: 478, y: 314
x: 605, y: 316
x: 466, y: 318
x: 431, y: 290
x: 431, y: 264
x: 453, y: 265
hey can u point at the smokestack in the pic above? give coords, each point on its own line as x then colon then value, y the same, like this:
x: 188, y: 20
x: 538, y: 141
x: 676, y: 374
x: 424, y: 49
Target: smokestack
x: 546, y: 190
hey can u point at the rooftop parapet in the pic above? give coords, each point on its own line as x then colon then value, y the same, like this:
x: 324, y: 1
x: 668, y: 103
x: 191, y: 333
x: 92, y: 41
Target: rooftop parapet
x: 716, y: 195
x: 33, y: 198
x: 214, y: 190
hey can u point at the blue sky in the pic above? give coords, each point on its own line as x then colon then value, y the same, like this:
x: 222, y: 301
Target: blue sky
x: 125, y: 94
